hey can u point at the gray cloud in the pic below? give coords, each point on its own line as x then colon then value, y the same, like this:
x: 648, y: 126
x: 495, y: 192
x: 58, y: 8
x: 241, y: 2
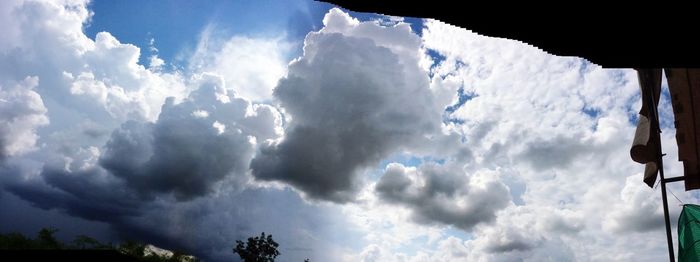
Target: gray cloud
x: 640, y: 222
x: 351, y: 106
x: 91, y: 193
x: 437, y: 194
x: 639, y: 211
x: 192, y: 146
x: 85, y: 170
x: 511, y: 245
x: 3, y: 152
x: 557, y: 152
x: 205, y: 227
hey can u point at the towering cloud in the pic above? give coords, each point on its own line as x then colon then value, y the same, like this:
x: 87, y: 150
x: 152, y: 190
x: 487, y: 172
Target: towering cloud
x: 354, y: 97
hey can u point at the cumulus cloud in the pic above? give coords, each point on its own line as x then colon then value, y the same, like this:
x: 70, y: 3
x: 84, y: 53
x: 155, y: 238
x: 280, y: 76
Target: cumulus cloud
x: 556, y: 130
x: 638, y: 210
x: 182, y: 136
x: 80, y: 78
x: 353, y: 98
x: 561, y: 125
x: 549, y: 133
x: 91, y: 87
x: 193, y: 144
x: 437, y: 194
x: 557, y: 152
x: 22, y: 111
x: 517, y: 234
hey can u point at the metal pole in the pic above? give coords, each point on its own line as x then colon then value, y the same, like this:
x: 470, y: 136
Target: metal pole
x: 654, y: 117
x: 669, y: 237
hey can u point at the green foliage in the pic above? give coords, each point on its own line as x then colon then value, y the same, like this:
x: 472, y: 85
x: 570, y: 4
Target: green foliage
x: 257, y: 249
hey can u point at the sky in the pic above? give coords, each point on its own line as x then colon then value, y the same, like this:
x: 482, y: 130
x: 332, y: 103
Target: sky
x: 347, y: 136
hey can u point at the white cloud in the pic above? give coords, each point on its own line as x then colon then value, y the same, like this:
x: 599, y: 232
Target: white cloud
x: 562, y: 126
x: 91, y: 88
x: 558, y: 131
x: 355, y: 96
x: 251, y: 67
x: 80, y: 76
x: 549, y: 133
x: 21, y: 112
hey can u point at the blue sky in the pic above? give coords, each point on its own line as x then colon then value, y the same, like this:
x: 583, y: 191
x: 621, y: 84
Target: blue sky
x: 345, y: 138
x: 176, y: 25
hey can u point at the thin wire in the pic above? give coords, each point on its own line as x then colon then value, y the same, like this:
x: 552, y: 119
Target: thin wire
x: 657, y: 182
x: 674, y: 195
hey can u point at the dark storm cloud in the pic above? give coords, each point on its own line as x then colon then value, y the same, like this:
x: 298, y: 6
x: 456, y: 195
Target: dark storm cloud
x: 437, y: 194
x: 206, y: 227
x: 91, y: 194
x: 351, y: 106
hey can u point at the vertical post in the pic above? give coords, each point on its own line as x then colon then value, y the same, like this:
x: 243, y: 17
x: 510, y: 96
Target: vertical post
x: 656, y: 132
x: 669, y: 237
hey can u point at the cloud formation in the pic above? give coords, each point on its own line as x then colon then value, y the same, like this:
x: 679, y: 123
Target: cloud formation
x: 193, y: 145
x: 561, y: 126
x: 22, y: 111
x: 353, y: 99
x: 252, y: 66
x: 529, y: 164
x: 438, y: 194
x: 129, y: 145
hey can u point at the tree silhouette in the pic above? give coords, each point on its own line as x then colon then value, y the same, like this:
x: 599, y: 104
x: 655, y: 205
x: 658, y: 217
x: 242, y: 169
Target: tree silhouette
x: 86, y: 242
x: 257, y: 249
x: 46, y: 240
